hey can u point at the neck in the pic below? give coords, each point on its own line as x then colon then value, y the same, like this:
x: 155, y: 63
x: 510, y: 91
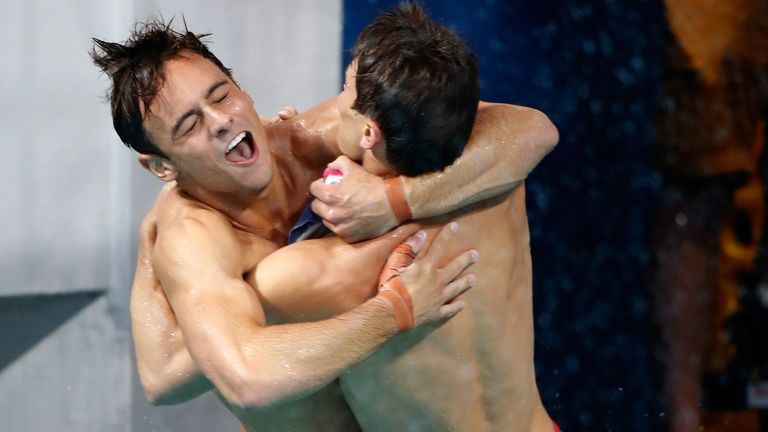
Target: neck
x: 267, y: 213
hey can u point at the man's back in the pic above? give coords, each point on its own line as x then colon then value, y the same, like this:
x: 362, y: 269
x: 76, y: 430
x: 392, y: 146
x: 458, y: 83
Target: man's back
x: 473, y: 373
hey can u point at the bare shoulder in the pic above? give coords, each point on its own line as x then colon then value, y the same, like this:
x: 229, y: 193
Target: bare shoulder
x: 179, y: 226
x: 501, y: 111
x: 310, y: 136
x: 518, y: 120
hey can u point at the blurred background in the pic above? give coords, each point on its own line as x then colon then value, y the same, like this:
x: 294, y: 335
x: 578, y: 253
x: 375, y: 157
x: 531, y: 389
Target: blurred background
x: 648, y: 221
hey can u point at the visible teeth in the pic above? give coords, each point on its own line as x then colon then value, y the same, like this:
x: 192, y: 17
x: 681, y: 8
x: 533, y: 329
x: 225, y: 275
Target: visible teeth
x: 235, y: 141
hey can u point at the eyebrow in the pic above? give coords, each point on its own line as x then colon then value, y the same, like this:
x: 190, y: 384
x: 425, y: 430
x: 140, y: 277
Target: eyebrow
x: 194, y: 111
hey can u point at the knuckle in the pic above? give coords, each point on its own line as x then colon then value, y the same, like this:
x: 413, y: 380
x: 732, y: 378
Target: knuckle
x: 342, y: 232
x: 320, y: 210
x: 343, y: 213
x: 332, y: 216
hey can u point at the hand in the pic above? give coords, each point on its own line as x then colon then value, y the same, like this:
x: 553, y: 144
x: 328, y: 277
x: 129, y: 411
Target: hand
x: 356, y: 208
x: 286, y: 113
x: 429, y: 289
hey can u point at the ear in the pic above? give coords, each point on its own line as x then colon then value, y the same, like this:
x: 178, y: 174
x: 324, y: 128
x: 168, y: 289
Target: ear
x: 159, y: 166
x: 371, y: 134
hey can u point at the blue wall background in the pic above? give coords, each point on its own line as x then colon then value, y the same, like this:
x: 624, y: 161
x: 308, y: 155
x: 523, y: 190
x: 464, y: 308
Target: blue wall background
x: 595, y: 68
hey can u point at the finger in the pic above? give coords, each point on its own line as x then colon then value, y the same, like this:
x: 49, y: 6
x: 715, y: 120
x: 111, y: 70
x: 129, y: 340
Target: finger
x: 325, y: 212
x: 346, y: 232
x: 457, y: 265
x: 451, y: 309
x: 319, y: 208
x: 402, y: 256
x: 287, y: 112
x: 416, y: 241
x: 331, y: 226
x: 325, y: 193
x: 458, y: 287
x: 436, y: 250
x: 341, y: 163
x: 321, y: 191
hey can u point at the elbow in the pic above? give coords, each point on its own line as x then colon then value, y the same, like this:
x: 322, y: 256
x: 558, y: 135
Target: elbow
x: 160, y: 398
x: 250, y: 392
x: 548, y: 133
x: 152, y: 392
x: 249, y: 400
x: 158, y: 392
x: 153, y: 398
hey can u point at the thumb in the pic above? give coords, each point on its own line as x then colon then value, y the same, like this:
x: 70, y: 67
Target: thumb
x: 402, y: 256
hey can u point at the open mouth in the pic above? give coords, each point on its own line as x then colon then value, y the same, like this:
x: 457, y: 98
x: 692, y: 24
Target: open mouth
x: 241, y: 150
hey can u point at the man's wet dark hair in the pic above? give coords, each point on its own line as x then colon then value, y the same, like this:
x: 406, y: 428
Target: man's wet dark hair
x: 136, y: 70
x: 419, y: 81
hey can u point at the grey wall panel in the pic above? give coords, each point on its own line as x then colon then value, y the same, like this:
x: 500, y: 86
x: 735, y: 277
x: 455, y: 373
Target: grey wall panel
x: 283, y: 52
x: 76, y: 379
x: 56, y: 144
x: 203, y: 414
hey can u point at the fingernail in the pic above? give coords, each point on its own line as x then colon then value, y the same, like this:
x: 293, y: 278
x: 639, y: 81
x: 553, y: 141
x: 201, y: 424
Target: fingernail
x: 421, y: 234
x: 474, y: 255
x: 453, y: 226
x: 284, y: 113
x: 471, y: 279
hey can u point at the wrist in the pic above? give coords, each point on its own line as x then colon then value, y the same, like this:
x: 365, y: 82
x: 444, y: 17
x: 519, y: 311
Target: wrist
x: 396, y: 297
x: 395, y: 190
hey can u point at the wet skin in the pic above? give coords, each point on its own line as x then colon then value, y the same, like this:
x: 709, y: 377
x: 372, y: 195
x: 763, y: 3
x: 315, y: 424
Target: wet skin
x: 246, y: 217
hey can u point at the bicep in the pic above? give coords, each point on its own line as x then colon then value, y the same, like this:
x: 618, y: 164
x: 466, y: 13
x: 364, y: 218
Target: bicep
x: 215, y: 308
x: 296, y: 281
x: 321, y: 278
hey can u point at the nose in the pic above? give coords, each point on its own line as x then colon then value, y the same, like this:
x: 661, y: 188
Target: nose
x: 220, y: 122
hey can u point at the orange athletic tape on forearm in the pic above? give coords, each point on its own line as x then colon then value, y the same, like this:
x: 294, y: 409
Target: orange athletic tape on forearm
x: 396, y: 196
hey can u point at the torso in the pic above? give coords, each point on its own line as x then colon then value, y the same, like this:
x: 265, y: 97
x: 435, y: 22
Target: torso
x: 297, y: 160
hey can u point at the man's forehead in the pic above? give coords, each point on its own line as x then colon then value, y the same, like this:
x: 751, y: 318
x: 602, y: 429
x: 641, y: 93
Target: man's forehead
x: 185, y: 79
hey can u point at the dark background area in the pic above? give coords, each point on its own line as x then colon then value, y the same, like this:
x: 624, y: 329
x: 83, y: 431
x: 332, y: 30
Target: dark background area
x: 594, y: 67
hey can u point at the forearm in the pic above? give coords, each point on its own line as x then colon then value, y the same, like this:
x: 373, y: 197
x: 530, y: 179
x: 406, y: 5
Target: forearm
x: 506, y: 144
x: 282, y: 362
x: 175, y: 380
x: 166, y: 371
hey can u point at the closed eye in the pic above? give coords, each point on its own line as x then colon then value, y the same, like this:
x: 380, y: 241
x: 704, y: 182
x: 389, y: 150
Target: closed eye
x: 191, y: 127
x: 222, y: 98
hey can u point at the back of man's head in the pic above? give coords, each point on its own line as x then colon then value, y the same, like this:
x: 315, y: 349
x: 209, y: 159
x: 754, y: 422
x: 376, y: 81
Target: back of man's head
x: 136, y: 69
x: 419, y: 81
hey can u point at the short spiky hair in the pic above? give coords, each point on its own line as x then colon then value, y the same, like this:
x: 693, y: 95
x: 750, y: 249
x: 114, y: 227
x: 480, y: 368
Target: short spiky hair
x: 136, y: 70
x: 419, y: 81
